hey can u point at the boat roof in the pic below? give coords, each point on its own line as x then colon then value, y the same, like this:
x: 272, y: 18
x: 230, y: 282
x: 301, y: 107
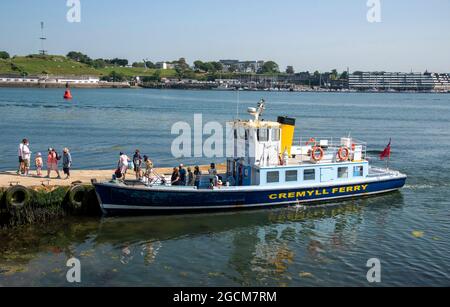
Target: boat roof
x: 256, y: 124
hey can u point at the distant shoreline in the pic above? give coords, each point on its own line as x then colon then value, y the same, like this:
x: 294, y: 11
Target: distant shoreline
x: 194, y: 88
x: 60, y: 85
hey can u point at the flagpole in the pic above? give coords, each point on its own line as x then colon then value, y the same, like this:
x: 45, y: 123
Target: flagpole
x: 389, y: 156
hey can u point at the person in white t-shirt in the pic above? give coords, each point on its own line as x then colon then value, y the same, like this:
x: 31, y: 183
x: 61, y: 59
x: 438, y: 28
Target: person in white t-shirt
x: 26, y: 156
x: 20, y: 153
x: 123, y: 164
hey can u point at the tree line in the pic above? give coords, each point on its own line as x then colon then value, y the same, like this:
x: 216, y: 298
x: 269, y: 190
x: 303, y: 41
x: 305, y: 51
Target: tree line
x: 97, y: 63
x: 200, y: 70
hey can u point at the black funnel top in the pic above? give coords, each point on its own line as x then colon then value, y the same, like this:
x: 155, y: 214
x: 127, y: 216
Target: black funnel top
x: 284, y: 120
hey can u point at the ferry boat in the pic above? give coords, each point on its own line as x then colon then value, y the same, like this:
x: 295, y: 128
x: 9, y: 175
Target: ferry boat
x: 266, y: 170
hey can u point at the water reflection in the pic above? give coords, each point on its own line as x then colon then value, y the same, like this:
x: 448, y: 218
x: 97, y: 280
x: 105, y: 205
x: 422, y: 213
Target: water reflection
x: 266, y: 247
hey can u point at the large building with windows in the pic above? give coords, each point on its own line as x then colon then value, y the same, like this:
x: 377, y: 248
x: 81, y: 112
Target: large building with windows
x: 397, y: 81
x: 242, y: 66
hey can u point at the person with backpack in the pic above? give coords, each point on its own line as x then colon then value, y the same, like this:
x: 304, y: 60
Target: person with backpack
x: 52, y: 162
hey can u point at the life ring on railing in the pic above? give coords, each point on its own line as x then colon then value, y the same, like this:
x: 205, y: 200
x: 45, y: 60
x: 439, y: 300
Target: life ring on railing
x: 311, y: 141
x: 343, y: 154
x: 317, y: 154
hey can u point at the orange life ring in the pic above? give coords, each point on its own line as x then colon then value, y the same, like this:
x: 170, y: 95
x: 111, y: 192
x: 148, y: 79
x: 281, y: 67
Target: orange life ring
x: 314, y: 152
x: 343, y: 157
x: 311, y: 141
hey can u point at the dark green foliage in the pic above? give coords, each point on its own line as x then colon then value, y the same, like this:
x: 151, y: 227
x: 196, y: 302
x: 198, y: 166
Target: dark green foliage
x: 4, y: 55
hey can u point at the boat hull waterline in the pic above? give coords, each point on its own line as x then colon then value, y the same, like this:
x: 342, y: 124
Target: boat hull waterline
x: 120, y: 199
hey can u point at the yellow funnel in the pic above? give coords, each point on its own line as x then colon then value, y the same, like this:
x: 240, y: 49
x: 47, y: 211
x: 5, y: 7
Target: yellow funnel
x: 287, y: 133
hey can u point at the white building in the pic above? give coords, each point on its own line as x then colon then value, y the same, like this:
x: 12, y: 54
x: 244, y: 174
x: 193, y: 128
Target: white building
x: 164, y: 65
x: 49, y: 79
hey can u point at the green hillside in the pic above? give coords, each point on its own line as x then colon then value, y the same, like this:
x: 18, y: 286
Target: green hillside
x: 135, y: 71
x: 60, y: 65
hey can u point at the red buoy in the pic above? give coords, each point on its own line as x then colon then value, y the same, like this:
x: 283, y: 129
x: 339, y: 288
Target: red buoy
x: 67, y: 94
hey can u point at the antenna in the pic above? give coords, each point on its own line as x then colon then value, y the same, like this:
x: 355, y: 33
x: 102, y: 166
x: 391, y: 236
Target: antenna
x: 43, y: 39
x: 258, y: 111
x: 145, y: 63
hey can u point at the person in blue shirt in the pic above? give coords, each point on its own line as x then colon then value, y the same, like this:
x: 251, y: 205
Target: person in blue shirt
x: 67, y: 162
x: 183, y: 174
x: 137, y: 161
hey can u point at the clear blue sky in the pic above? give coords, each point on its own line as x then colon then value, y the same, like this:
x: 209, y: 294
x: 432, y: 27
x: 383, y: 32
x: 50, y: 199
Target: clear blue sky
x: 315, y: 34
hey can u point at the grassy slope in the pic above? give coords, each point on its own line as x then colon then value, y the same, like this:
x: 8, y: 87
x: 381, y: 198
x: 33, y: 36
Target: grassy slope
x: 54, y: 65
x: 131, y: 72
x: 59, y: 65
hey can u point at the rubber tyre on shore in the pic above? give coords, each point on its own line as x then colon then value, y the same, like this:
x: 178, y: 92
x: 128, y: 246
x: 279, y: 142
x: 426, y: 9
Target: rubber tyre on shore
x: 77, y: 197
x: 17, y: 197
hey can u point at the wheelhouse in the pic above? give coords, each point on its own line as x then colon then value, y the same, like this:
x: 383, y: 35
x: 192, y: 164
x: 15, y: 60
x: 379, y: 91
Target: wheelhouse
x: 264, y: 153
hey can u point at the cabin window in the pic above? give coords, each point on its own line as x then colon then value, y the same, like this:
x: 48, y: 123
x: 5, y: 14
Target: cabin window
x: 276, y: 135
x: 263, y: 135
x: 247, y: 134
x: 343, y: 172
x: 309, y: 174
x: 241, y: 133
x: 291, y: 176
x: 235, y: 134
x: 273, y: 177
x: 358, y: 171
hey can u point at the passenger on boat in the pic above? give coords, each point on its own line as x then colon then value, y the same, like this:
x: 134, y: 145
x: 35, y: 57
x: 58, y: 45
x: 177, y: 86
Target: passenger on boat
x: 123, y: 165
x: 182, y: 172
x: 148, y: 166
x: 137, y: 161
x: 212, y: 174
x: 175, y: 179
x: 197, y: 176
x: 191, y: 177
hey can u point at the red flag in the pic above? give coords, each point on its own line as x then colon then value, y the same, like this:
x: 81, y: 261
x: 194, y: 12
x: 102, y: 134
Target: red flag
x: 386, y: 152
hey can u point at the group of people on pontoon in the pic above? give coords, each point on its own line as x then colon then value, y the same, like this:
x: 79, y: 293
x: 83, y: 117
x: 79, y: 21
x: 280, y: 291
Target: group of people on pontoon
x: 53, y: 160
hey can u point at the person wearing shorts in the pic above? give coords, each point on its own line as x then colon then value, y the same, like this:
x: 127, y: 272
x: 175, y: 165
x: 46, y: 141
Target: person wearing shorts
x: 20, y: 154
x: 137, y: 161
x: 52, y: 163
x: 26, y: 157
x: 123, y: 165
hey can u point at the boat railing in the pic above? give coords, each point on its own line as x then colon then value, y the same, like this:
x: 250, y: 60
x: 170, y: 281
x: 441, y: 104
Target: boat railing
x: 330, y: 145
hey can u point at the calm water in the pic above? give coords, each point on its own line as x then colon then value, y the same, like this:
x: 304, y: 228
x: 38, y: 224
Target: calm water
x: 285, y: 247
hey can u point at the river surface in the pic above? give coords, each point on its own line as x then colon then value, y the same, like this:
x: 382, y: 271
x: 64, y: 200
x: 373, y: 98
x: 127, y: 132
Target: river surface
x: 407, y: 231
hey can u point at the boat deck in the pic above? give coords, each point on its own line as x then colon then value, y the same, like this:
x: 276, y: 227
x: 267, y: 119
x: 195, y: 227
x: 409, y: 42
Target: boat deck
x: 80, y: 176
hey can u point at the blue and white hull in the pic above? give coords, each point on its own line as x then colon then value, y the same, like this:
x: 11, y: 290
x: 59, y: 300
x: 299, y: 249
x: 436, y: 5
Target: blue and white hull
x: 118, y: 199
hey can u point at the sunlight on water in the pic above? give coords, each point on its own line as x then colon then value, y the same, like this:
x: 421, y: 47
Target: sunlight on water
x: 329, y: 245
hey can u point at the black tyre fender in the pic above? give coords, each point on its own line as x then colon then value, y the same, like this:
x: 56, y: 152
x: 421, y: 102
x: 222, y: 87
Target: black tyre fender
x: 17, y: 197
x: 77, y: 196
